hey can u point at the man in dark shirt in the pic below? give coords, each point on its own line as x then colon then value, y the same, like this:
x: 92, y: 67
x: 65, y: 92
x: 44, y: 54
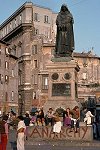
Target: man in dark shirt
x: 27, y: 122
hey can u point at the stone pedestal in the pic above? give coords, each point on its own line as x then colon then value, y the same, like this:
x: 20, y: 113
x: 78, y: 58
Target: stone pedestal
x: 85, y: 133
x: 62, y: 83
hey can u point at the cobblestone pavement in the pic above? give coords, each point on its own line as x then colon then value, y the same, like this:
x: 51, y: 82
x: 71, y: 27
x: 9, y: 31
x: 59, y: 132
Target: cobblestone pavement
x: 59, y: 145
x: 54, y: 147
x: 44, y: 147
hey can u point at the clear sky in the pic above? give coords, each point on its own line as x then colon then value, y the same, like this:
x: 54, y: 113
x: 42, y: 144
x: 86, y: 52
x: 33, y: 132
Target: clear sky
x: 86, y: 14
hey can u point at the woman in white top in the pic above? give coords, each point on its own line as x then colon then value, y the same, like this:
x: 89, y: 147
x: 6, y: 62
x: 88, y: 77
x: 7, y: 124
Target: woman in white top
x: 57, y: 125
x: 20, y: 133
x: 88, y: 117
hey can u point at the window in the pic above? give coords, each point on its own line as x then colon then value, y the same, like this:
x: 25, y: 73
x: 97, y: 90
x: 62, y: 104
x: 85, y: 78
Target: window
x: 20, y: 18
x: 36, y: 31
x: 15, y: 23
x: 6, y: 29
x: 35, y: 79
x: 20, y: 79
x: 6, y: 65
x: 34, y: 95
x: 6, y: 51
x: 1, y: 79
x: 19, y: 96
x: 12, y: 72
x: 10, y: 26
x: 36, y: 17
x: 2, y: 33
x: 6, y: 79
x: 46, y: 19
x: 12, y: 95
x: 84, y: 77
x: 45, y: 82
x: 35, y: 63
x: 34, y: 49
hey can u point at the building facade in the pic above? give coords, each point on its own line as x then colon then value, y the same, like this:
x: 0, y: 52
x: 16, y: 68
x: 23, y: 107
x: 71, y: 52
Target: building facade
x: 8, y: 80
x: 89, y: 74
x: 31, y: 32
x: 27, y: 30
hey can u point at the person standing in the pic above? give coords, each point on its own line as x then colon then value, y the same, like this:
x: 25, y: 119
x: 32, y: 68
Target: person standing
x: 27, y: 120
x: 76, y: 116
x: 20, y: 133
x: 88, y: 117
x: 57, y: 125
x: 4, y: 132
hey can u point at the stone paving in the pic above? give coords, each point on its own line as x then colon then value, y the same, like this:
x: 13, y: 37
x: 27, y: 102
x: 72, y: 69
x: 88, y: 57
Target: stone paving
x: 58, y: 142
x: 58, y: 145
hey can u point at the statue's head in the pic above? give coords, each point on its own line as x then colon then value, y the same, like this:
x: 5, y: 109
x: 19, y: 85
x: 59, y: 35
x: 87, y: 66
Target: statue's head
x: 64, y: 8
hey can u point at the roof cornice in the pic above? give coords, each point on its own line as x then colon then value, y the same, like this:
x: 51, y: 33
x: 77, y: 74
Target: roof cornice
x: 3, y: 42
x: 17, y: 12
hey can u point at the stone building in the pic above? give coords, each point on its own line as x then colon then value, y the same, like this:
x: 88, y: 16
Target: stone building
x: 27, y: 29
x: 31, y: 30
x: 8, y: 80
x: 89, y: 74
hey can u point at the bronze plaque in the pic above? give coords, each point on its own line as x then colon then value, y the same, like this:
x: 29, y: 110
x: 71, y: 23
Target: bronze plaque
x: 61, y: 89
